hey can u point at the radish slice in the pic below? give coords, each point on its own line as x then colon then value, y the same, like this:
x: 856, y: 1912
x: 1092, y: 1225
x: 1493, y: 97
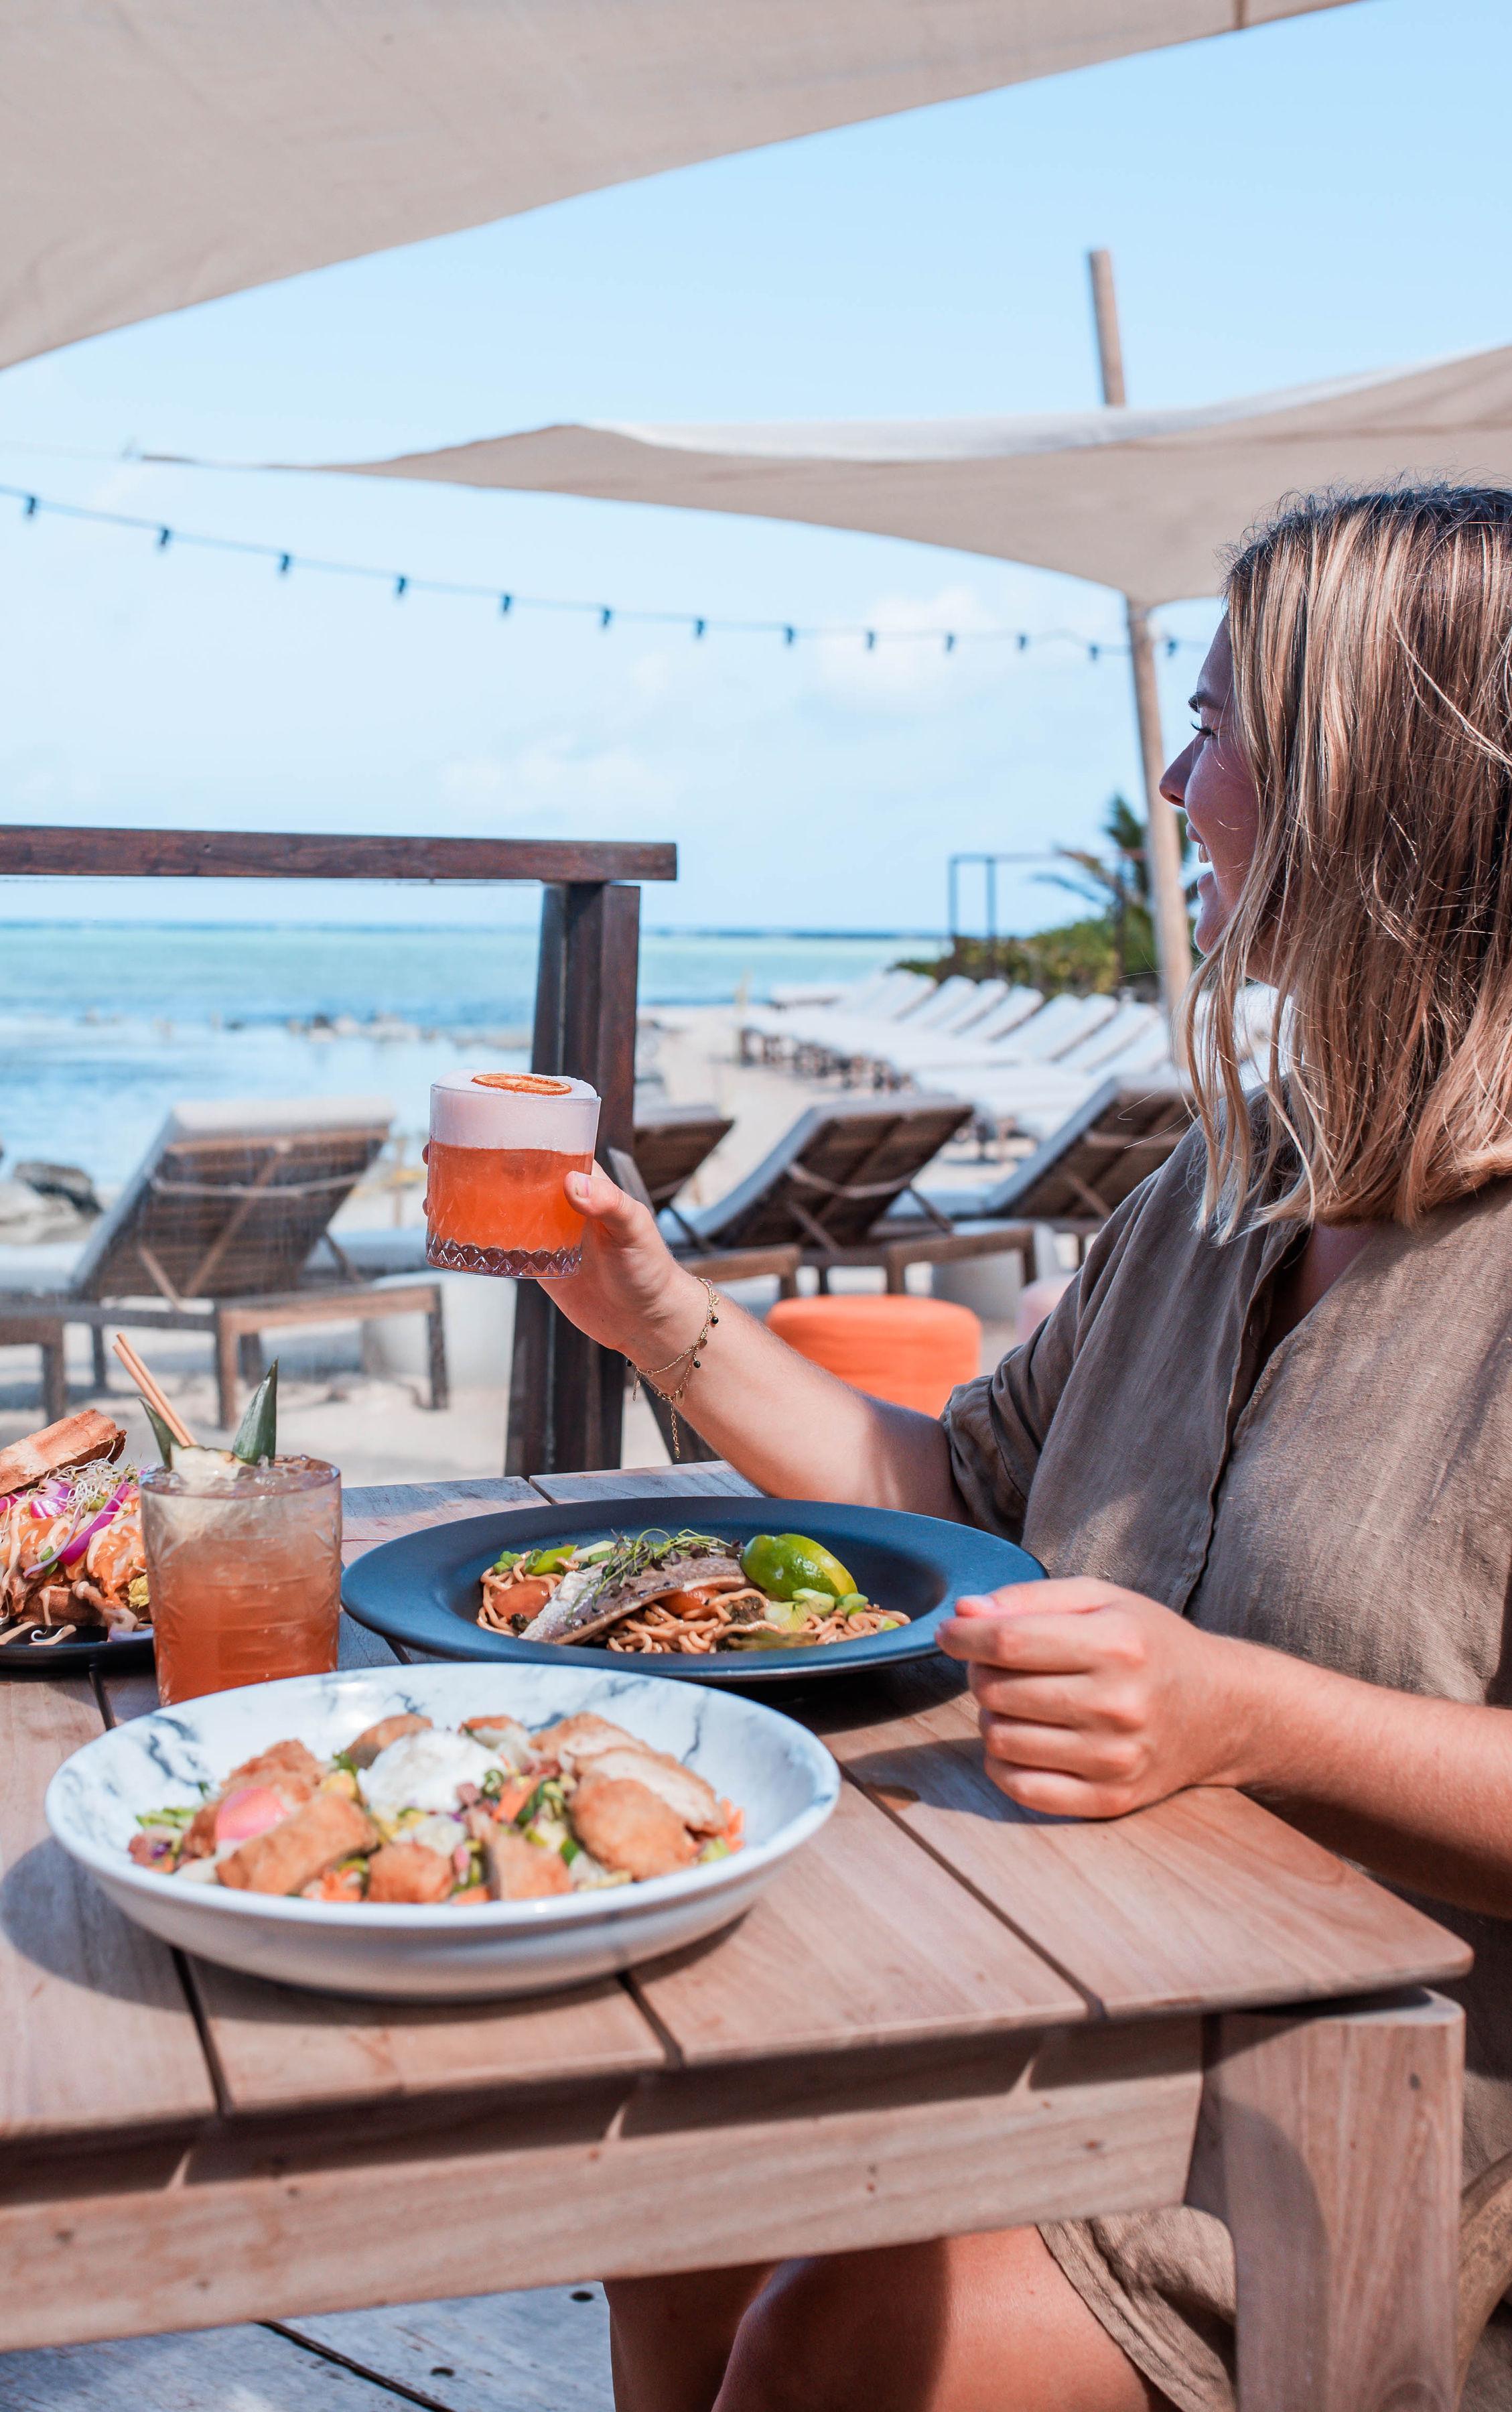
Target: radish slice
x: 249, y: 1812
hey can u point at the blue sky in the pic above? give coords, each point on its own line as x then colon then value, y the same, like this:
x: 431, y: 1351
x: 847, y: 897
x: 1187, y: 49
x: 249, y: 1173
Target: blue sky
x: 1307, y: 199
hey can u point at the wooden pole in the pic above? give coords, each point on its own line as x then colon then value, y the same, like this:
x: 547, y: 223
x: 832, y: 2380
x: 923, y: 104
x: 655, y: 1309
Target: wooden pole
x: 566, y: 1403
x: 1163, y: 845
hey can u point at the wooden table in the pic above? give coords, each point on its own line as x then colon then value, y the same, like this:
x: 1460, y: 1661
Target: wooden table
x: 945, y: 2016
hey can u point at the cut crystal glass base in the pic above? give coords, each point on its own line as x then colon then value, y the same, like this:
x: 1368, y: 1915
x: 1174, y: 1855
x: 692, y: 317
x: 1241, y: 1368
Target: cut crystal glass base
x: 511, y: 1264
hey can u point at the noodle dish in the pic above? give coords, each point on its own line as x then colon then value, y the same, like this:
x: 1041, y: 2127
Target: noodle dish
x: 685, y: 1594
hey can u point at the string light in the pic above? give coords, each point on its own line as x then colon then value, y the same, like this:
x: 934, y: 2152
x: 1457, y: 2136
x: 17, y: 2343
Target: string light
x: 700, y: 623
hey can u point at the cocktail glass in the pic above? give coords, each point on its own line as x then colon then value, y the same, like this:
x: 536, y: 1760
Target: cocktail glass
x: 501, y: 1146
x: 243, y: 1571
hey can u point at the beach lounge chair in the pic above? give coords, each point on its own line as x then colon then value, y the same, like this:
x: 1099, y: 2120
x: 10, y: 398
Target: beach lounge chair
x: 829, y: 1184
x: 672, y: 1142
x: 954, y: 1012
x: 821, y: 1034
x: 219, y: 1230
x: 1043, y: 1038
x: 1034, y: 1100
x: 907, y: 1054
x: 1113, y: 1139
x: 766, y: 1029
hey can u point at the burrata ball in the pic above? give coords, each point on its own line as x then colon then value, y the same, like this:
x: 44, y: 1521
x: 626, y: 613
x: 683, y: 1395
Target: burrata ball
x: 422, y: 1771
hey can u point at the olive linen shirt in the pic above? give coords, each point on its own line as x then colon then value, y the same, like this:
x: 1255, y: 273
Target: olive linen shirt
x: 1349, y: 1501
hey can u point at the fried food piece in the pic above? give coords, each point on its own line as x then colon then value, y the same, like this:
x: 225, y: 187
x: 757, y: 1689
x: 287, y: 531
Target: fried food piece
x: 627, y: 1827
x: 578, y: 1740
x: 286, y: 1769
x: 365, y: 1749
x: 593, y: 1744
x: 279, y: 1764
x: 291, y: 1854
x: 687, y: 1794
x: 59, y: 1448
x: 408, y: 1872
x: 520, y: 1871
x: 199, y: 1835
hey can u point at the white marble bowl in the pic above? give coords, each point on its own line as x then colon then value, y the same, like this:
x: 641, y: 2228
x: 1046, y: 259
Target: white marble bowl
x: 784, y: 1779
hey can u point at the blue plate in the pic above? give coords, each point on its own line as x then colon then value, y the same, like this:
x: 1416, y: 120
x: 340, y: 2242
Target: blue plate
x: 423, y: 1589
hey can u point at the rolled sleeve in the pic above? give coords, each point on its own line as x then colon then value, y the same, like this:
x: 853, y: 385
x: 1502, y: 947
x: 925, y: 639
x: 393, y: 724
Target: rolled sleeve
x: 996, y: 1427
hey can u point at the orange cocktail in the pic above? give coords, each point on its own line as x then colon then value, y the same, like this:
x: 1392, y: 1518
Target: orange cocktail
x: 502, y: 1144
x: 243, y: 1566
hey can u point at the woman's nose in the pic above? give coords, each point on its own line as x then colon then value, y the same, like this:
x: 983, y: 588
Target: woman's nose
x: 1173, y: 778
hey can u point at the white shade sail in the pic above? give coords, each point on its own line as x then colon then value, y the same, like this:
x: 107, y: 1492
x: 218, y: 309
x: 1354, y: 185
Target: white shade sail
x: 156, y: 152
x: 1141, y: 500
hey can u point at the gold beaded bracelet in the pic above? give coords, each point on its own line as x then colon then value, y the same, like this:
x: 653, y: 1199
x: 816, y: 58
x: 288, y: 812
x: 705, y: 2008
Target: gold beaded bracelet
x: 689, y: 1357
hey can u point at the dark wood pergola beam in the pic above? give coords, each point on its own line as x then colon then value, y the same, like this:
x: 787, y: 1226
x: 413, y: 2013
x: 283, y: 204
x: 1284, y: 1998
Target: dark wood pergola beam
x: 265, y: 854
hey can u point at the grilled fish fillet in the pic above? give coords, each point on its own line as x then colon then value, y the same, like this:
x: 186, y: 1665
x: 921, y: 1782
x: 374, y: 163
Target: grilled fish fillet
x: 589, y: 1599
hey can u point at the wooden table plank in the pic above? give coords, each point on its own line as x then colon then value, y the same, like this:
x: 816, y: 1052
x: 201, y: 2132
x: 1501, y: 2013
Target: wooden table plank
x: 643, y: 1481
x: 858, y: 1941
x: 280, y: 2049
x: 379, y: 1511
x: 98, y: 2033
x: 1206, y: 1899
x: 271, y: 2219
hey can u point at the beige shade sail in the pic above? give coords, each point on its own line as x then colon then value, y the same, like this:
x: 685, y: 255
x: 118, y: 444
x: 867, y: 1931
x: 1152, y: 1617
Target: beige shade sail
x: 1141, y: 500
x: 157, y: 153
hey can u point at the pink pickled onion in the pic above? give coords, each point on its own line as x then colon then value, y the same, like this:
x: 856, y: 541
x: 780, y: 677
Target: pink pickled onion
x: 73, y: 1549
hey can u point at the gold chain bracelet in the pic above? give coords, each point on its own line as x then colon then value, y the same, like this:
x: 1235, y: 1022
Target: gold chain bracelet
x: 689, y: 1357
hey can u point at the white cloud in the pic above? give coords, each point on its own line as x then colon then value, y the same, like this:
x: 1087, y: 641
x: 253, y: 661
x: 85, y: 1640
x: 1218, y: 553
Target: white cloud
x: 909, y: 669
x: 556, y: 778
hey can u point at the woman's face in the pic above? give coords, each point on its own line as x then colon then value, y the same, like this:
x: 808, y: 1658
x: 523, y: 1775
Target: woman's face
x: 1211, y: 784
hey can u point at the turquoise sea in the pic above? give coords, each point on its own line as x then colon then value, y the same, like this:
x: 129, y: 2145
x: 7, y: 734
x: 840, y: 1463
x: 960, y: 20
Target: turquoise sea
x: 103, y: 1026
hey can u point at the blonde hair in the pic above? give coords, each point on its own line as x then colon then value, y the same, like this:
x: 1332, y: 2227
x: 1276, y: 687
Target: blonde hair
x: 1372, y: 638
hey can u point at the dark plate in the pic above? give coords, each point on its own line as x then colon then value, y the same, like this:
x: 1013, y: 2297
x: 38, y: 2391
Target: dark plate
x: 423, y: 1590
x: 73, y: 1658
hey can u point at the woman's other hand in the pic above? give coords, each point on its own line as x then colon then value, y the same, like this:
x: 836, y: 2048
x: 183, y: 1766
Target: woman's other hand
x: 1095, y: 1700
x: 630, y: 1293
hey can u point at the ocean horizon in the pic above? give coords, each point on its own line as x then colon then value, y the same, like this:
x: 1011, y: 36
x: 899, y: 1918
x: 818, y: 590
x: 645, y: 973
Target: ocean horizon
x: 106, y: 1026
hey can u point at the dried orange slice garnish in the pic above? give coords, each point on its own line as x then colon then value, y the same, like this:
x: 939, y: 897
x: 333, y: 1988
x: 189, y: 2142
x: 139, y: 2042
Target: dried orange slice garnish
x: 524, y: 1084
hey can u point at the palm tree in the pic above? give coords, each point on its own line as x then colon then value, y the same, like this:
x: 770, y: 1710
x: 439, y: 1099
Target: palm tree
x: 1119, y: 884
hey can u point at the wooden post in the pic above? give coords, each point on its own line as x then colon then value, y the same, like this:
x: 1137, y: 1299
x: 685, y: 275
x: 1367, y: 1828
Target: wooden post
x: 1330, y: 2145
x: 566, y: 1396
x: 1173, y: 938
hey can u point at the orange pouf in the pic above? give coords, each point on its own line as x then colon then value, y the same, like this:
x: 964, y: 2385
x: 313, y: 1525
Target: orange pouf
x: 910, y: 1350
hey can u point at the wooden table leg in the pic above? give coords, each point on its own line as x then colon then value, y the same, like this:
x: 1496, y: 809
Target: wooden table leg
x: 1330, y: 2145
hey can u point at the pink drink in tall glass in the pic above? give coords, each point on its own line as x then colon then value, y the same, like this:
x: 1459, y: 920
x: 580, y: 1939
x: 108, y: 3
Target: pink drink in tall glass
x: 502, y: 1144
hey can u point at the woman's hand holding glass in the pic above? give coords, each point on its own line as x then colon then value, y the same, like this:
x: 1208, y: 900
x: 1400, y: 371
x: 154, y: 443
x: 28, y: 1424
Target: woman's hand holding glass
x: 629, y: 1292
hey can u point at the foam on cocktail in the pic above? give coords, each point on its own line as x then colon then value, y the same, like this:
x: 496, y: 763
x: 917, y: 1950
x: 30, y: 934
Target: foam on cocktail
x: 478, y: 1110
x: 501, y: 1146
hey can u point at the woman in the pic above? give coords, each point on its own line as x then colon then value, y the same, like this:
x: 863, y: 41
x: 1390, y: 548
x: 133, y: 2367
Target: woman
x: 1263, y: 1446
